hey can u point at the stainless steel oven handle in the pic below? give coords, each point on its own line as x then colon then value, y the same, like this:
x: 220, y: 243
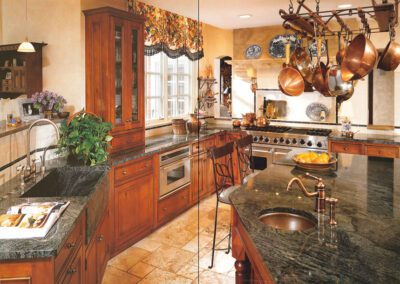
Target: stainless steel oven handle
x: 263, y: 151
x: 173, y: 164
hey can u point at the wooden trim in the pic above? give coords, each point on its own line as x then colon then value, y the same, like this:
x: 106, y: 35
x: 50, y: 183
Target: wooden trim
x: 380, y: 127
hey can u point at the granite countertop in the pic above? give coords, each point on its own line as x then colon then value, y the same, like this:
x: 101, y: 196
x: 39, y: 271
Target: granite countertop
x: 368, y: 138
x: 161, y: 143
x: 365, y: 245
x: 49, y: 246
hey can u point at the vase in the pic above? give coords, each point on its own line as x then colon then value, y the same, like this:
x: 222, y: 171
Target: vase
x: 48, y: 114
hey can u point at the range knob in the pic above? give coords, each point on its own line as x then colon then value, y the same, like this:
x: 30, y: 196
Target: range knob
x: 266, y: 140
x: 282, y: 140
x: 309, y: 143
x: 302, y: 142
x: 287, y: 141
x: 276, y: 140
x: 319, y: 144
x: 294, y: 141
x: 255, y: 139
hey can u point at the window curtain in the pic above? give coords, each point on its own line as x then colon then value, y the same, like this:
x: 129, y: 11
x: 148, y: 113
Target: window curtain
x: 173, y: 34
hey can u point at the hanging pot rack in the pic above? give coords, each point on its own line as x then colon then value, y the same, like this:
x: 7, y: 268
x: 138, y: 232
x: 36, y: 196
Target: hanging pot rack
x: 305, y: 23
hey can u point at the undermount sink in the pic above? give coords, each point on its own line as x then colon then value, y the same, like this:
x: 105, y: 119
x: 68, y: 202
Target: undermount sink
x: 288, y: 219
x: 66, y: 182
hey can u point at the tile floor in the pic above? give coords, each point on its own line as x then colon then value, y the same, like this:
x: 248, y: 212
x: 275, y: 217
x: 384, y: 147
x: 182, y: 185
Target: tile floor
x: 170, y: 254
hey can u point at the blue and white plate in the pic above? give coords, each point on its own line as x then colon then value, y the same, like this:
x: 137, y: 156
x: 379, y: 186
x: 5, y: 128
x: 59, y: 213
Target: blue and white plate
x: 317, y: 111
x: 312, y: 49
x: 277, y: 45
x: 253, y: 51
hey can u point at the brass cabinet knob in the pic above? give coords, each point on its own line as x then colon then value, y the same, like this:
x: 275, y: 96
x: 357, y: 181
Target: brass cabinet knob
x: 71, y: 245
x: 100, y: 238
x: 71, y: 270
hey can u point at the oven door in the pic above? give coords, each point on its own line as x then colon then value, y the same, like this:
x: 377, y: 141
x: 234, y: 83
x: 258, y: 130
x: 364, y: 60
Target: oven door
x: 262, y: 156
x: 174, y: 176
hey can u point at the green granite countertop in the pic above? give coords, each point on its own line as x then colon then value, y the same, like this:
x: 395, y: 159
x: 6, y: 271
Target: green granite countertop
x: 365, y: 245
x: 368, y: 138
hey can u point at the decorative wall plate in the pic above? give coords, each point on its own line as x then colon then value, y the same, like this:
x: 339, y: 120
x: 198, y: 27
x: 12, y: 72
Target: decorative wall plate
x: 253, y: 51
x: 277, y: 45
x: 315, y: 111
x: 312, y: 49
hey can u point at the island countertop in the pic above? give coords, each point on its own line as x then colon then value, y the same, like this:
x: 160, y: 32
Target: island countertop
x: 367, y: 138
x: 365, y: 245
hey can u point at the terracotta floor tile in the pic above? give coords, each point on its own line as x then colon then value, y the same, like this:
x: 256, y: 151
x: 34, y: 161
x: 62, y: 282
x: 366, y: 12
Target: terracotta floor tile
x: 128, y: 258
x: 114, y: 275
x: 173, y: 236
x: 190, y: 271
x: 223, y: 263
x: 141, y: 269
x: 193, y: 245
x: 210, y: 277
x: 159, y: 276
x: 169, y: 258
x: 148, y: 244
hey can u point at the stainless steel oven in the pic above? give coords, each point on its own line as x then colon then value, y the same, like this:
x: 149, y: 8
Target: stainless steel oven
x: 174, y: 170
x: 265, y: 155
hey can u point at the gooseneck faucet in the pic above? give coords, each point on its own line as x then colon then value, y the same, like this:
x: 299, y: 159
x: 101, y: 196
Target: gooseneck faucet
x: 29, y: 167
x: 319, y: 193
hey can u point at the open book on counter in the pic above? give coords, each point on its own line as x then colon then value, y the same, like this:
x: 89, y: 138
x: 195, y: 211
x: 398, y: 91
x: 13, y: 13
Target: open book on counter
x: 30, y: 220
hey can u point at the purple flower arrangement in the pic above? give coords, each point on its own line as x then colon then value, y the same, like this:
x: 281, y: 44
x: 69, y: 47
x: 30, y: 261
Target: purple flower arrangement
x: 47, y: 100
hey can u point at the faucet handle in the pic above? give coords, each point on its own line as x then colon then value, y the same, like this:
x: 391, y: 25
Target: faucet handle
x: 314, y: 177
x: 332, y: 210
x: 20, y: 168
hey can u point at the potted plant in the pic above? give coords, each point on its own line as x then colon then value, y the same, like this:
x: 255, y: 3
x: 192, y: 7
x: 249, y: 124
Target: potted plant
x: 85, y: 138
x: 49, y: 102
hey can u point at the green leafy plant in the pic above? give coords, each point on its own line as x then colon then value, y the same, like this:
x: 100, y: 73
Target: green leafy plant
x: 85, y: 139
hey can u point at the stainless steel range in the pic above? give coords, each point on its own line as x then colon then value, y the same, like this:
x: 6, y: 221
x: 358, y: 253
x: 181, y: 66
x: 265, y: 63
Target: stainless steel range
x: 272, y: 144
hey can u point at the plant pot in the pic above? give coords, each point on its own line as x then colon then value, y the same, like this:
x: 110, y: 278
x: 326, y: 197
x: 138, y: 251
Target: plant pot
x: 48, y: 114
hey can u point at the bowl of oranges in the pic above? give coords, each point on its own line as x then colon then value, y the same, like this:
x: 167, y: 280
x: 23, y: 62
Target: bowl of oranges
x: 314, y: 161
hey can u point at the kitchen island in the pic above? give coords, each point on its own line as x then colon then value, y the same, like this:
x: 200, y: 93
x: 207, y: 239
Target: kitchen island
x: 364, y: 247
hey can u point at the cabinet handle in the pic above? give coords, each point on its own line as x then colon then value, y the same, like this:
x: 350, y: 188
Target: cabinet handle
x: 124, y: 172
x: 100, y: 238
x: 71, y: 245
x: 128, y: 120
x: 71, y: 270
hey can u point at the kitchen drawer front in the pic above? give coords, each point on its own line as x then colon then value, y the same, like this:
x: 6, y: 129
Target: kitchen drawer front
x: 133, y: 170
x: 75, y: 271
x: 69, y: 248
x: 173, y: 205
x: 382, y: 151
x: 348, y: 148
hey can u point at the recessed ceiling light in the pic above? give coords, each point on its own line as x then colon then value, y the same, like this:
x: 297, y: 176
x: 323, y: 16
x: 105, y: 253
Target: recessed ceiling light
x: 344, y: 6
x: 245, y: 16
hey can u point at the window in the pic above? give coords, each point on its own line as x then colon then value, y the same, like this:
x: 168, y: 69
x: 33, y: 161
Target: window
x: 169, y: 87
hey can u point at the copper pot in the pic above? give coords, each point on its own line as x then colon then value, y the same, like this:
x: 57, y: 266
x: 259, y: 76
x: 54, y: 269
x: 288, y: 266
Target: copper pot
x: 359, y: 59
x: 301, y: 60
x: 262, y: 121
x: 290, y: 80
x: 390, y: 58
x: 336, y: 86
x: 319, y: 76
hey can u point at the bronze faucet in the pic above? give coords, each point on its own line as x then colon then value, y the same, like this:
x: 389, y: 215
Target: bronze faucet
x: 319, y: 193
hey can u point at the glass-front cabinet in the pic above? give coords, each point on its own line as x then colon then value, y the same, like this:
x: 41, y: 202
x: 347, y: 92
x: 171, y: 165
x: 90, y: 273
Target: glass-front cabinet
x: 115, y: 73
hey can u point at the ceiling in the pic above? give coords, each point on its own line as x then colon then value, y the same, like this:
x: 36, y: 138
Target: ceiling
x: 224, y: 13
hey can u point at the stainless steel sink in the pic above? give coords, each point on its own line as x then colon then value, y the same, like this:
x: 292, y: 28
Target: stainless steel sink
x: 288, y: 219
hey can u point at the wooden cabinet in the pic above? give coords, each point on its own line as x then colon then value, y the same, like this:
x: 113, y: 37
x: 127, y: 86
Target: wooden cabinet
x: 172, y: 205
x: 115, y: 73
x: 20, y: 72
x: 98, y: 251
x: 75, y: 272
x: 359, y: 148
x: 133, y: 207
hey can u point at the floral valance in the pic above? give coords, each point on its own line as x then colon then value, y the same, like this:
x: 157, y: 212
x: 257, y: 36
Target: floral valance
x: 171, y: 33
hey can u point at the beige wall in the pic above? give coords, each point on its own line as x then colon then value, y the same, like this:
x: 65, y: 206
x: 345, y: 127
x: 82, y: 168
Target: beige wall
x: 217, y: 43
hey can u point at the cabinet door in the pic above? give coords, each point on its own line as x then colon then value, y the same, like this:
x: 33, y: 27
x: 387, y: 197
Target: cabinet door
x: 91, y: 264
x: 133, y: 210
x: 208, y: 174
x: 103, y: 245
x: 75, y: 271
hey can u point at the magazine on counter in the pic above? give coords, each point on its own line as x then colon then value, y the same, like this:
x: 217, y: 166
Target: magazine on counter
x: 30, y: 220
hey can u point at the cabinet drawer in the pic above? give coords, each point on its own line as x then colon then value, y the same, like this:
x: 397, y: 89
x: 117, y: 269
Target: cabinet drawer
x: 133, y: 169
x: 75, y: 271
x: 69, y: 248
x: 348, y: 148
x: 173, y: 205
x: 382, y: 151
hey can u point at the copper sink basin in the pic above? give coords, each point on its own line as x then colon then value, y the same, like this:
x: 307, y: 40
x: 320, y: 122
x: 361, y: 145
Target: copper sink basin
x: 288, y: 219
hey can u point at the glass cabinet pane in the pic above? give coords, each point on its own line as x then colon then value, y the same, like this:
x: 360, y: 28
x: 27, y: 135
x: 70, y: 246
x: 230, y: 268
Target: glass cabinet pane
x: 118, y: 74
x: 135, y: 102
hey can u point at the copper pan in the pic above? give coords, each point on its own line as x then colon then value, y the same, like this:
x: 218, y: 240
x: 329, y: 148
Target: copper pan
x: 302, y: 61
x: 390, y: 58
x: 319, y: 76
x: 359, y: 59
x: 290, y: 80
